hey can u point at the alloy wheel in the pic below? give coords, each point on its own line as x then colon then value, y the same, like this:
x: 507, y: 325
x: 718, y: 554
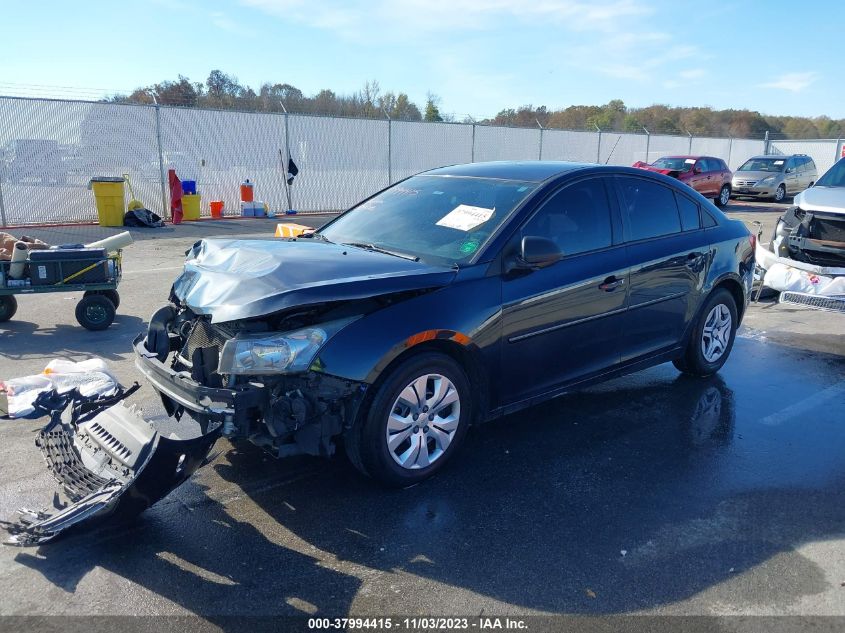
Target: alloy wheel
x: 423, y: 421
x: 780, y: 193
x: 724, y: 196
x: 717, y: 333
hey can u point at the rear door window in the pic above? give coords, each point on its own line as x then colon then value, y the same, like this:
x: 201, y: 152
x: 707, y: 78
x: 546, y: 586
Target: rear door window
x: 690, y: 219
x: 650, y: 209
x: 578, y: 218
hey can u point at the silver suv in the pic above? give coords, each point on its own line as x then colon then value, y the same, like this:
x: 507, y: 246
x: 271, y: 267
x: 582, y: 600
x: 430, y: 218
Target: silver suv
x: 774, y: 176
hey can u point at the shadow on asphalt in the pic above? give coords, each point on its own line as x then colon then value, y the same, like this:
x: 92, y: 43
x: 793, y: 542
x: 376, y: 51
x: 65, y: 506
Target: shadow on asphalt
x: 695, y: 479
x: 68, y: 341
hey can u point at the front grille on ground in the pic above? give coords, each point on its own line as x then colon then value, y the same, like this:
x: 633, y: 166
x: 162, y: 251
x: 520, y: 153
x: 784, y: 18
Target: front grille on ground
x: 828, y: 304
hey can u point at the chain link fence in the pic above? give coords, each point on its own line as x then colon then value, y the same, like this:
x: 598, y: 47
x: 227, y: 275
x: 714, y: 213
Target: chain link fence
x: 50, y: 149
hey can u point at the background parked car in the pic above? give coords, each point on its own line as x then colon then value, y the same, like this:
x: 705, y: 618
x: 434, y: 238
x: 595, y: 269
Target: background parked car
x: 708, y: 175
x: 30, y: 160
x: 774, y: 176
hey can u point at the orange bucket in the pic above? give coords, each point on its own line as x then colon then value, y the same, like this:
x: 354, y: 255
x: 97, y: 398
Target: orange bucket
x: 216, y: 207
x: 246, y: 192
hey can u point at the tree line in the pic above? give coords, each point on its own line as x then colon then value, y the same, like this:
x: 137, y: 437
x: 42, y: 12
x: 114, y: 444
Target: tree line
x: 223, y: 91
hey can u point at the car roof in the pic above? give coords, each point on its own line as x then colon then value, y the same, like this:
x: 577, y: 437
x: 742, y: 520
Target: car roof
x: 777, y: 156
x: 528, y: 170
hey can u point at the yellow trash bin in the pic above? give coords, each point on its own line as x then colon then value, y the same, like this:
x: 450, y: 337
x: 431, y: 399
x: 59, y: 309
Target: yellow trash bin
x: 191, y: 207
x: 109, y: 198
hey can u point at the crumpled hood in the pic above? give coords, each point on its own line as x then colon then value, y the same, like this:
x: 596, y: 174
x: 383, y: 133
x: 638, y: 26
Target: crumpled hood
x: 825, y: 199
x: 666, y: 172
x: 241, y: 279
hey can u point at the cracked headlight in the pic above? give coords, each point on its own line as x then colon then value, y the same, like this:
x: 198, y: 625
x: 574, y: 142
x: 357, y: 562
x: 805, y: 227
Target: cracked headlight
x: 277, y: 352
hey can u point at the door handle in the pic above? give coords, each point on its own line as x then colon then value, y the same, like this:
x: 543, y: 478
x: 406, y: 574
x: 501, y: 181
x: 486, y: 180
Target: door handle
x: 611, y: 283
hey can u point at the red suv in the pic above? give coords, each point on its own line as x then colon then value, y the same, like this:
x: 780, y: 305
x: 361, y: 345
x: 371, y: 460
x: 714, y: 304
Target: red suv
x: 709, y: 176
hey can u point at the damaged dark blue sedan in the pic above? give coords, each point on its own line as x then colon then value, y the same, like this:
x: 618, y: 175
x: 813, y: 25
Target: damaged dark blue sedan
x: 453, y: 297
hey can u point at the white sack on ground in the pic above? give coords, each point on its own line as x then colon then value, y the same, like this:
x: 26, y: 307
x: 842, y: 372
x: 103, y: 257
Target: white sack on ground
x: 766, y: 259
x: 90, y: 377
x: 783, y: 278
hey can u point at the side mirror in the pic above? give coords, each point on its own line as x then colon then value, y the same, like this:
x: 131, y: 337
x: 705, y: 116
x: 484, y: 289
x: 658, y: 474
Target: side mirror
x: 696, y: 170
x: 789, y: 170
x: 536, y: 252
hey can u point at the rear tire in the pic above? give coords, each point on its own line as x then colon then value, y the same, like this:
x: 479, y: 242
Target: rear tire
x: 712, y: 336
x: 95, y: 312
x: 8, y: 307
x: 724, y: 196
x: 406, y: 436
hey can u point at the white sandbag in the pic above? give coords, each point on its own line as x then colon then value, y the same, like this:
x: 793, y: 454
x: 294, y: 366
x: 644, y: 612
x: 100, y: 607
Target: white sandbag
x: 90, y: 377
x: 784, y: 278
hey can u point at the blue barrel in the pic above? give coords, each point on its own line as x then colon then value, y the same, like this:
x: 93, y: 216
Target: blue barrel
x: 189, y: 186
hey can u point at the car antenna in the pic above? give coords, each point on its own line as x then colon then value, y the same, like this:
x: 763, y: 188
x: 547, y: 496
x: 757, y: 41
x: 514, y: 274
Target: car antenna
x: 613, y: 149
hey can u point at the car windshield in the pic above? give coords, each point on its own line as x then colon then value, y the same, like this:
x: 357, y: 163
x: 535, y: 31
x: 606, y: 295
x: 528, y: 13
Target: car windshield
x: 764, y: 164
x: 442, y: 219
x: 833, y: 177
x: 675, y: 164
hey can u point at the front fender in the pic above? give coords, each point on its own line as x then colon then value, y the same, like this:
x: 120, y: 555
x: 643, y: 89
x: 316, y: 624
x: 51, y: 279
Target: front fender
x: 464, y: 313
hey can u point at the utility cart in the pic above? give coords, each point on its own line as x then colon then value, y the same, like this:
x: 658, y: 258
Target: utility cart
x: 91, y: 271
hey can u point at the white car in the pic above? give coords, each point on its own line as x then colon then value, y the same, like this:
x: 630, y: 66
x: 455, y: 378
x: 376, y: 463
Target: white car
x: 813, y: 230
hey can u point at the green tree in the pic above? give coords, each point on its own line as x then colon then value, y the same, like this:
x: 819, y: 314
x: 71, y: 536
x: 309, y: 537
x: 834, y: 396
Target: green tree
x: 432, y: 112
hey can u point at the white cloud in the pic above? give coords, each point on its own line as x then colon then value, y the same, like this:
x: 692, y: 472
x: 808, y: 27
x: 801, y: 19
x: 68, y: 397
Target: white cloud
x: 225, y: 23
x: 793, y: 82
x: 692, y: 73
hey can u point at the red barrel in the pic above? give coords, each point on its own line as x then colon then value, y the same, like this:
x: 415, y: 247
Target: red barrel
x: 216, y: 207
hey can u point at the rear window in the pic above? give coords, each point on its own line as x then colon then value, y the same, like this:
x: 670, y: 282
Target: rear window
x: 650, y: 209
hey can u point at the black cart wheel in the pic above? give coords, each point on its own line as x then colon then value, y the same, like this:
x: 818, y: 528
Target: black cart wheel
x: 95, y: 312
x: 111, y: 295
x: 8, y: 307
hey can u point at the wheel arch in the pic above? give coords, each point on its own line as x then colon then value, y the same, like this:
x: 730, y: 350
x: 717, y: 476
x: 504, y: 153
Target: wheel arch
x: 735, y: 288
x: 453, y: 344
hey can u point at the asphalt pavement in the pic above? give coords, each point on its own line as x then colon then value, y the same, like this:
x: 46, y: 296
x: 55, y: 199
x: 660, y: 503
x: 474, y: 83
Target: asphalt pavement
x: 650, y: 494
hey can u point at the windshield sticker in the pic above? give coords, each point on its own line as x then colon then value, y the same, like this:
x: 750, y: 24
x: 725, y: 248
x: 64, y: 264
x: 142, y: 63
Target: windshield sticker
x: 690, y: 161
x: 778, y: 162
x: 470, y: 246
x: 465, y: 217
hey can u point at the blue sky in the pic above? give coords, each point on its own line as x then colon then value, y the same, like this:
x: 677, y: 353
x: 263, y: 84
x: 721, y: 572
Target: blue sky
x: 478, y: 56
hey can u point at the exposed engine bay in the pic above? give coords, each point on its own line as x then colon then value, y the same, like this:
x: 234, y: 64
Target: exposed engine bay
x: 814, y: 237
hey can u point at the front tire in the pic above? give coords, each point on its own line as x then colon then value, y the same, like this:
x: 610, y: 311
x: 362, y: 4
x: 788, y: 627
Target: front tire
x: 724, y: 196
x: 712, y: 337
x: 780, y: 193
x: 415, y: 422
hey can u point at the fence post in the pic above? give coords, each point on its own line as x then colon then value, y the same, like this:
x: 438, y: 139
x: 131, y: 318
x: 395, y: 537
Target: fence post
x: 836, y: 156
x: 286, y: 160
x: 165, y: 209
x: 766, y: 143
x: 472, y: 150
x: 730, y: 151
x: 389, y: 148
x: 598, y: 146
x: 647, y: 142
x: 540, y: 157
x: 689, y: 151
x: 2, y: 207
